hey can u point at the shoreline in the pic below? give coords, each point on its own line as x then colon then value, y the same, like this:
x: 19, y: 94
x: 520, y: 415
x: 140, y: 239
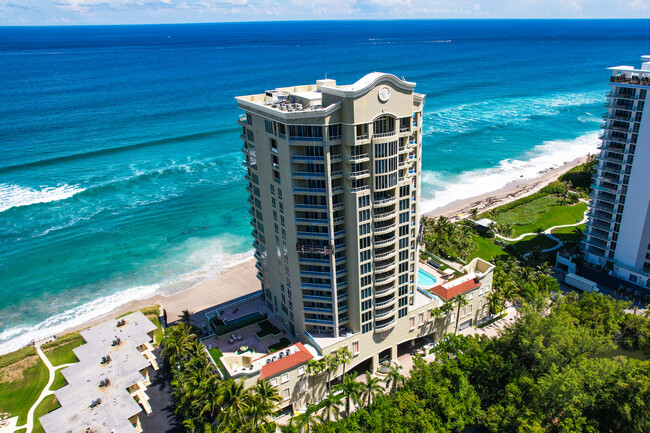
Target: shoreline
x: 512, y: 191
x: 233, y: 282
x: 240, y: 279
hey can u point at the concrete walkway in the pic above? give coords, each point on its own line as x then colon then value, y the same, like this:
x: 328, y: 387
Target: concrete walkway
x: 548, y: 233
x: 29, y: 425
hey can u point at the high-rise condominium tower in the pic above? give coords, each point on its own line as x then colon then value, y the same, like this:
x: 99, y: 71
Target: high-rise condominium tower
x: 334, y: 174
x: 618, y: 231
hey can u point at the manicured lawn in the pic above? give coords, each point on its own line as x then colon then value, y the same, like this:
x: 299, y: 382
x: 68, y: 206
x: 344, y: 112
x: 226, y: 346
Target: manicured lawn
x: 487, y: 249
x: 529, y: 243
x: 284, y: 342
x: 216, y: 356
x: 544, y: 212
x: 59, y: 380
x: 59, y: 351
x: 569, y: 234
x: 17, y: 396
x: 48, y: 404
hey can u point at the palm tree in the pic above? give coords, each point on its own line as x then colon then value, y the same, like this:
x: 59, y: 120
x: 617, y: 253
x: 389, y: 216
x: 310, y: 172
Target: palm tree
x: 460, y: 301
x: 177, y: 340
x: 343, y: 356
x: 206, y: 396
x: 495, y: 301
x: 330, y: 363
x: 234, y: 399
x: 371, y: 388
x: 351, y: 390
x: 473, y: 213
x: 189, y: 425
x: 186, y: 317
x: 305, y: 421
x: 394, y: 378
x: 264, y: 403
x: 331, y: 405
x: 314, y: 368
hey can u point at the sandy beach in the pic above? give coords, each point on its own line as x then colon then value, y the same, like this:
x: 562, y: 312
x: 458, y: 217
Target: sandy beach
x: 235, y: 281
x: 240, y: 279
x: 512, y: 191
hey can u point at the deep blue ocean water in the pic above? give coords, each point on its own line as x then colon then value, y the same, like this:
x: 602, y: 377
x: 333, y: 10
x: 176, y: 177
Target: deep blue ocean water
x: 120, y: 162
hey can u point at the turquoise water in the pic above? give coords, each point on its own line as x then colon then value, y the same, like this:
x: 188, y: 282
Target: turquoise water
x: 425, y: 280
x: 120, y: 167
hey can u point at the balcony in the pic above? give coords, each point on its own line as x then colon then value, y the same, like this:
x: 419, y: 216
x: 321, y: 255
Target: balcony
x: 385, y: 303
x: 637, y: 80
x: 314, y: 298
x: 362, y: 137
x: 383, y: 229
x: 337, y: 173
x: 384, y: 291
x: 384, y: 325
x: 308, y: 174
x: 313, y: 235
x: 384, y: 279
x: 310, y: 321
x: 357, y: 189
x: 318, y: 310
x: 311, y: 260
x: 309, y: 139
x: 314, y: 221
x: 337, y: 189
x: 384, y: 268
x: 307, y: 158
x: 314, y: 286
x: 385, y: 215
x: 386, y: 255
x: 384, y: 134
x: 317, y: 274
x: 358, y: 158
x: 405, y: 129
x: 384, y: 201
x: 309, y: 190
x: 358, y: 174
x: 391, y: 240
x: 337, y: 157
x: 307, y: 206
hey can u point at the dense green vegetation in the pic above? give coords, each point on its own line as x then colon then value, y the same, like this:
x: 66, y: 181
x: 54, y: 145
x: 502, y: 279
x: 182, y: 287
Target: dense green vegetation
x: 204, y: 401
x: 542, y: 375
x: 447, y: 239
x: 579, y: 177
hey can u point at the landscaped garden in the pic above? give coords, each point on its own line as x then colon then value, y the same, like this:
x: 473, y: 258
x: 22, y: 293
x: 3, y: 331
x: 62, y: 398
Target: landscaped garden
x: 22, y: 378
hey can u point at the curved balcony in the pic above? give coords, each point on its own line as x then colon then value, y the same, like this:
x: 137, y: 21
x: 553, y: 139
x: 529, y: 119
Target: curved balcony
x: 385, y: 325
x: 386, y: 255
x: 385, y: 303
x: 359, y: 174
x: 383, y: 314
x: 358, y: 188
x: 384, y: 279
x: 384, y: 134
x: 385, y: 201
x: 384, y: 291
x: 385, y: 215
x: 382, y: 242
x: 384, y: 229
x: 384, y: 268
x: 358, y: 158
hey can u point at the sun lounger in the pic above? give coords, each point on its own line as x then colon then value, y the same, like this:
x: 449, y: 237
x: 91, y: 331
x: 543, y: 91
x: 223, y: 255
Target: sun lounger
x: 239, y: 337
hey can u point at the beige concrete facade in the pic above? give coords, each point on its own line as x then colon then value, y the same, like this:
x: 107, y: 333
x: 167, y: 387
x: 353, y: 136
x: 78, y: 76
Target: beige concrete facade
x: 334, y: 183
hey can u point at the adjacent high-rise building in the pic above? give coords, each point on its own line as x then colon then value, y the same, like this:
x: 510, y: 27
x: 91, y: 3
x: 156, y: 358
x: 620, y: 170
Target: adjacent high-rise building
x: 334, y: 176
x: 618, y: 232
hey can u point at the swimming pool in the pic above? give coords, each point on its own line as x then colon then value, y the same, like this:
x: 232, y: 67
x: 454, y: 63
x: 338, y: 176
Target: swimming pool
x: 425, y: 280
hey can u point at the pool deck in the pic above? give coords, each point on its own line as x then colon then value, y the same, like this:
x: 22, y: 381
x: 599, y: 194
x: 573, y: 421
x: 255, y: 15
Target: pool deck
x: 440, y: 277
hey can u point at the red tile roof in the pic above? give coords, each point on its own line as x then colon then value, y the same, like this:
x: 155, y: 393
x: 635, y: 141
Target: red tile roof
x: 449, y: 293
x: 282, y: 364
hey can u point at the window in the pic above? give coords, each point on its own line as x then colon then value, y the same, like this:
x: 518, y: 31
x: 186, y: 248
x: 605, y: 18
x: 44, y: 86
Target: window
x: 412, y: 323
x: 463, y: 312
x: 355, y: 347
x: 279, y: 193
x: 470, y: 296
x: 273, y: 382
x: 286, y: 394
x: 404, y: 204
x: 305, y: 131
x: 301, y: 371
x: 250, y: 136
x: 364, y: 243
x: 284, y: 378
x: 302, y: 386
x: 403, y: 217
x: 364, y: 201
x: 364, y: 255
x: 421, y: 319
x: 366, y: 316
x: 268, y: 126
x: 334, y: 131
x: 402, y: 302
x: 403, y: 290
x: 365, y: 305
x: 249, y: 119
x: 366, y: 328
x: 365, y: 268
x: 364, y: 215
x: 364, y: 229
x: 365, y: 293
x: 402, y: 313
x: 366, y: 280
x: 469, y: 309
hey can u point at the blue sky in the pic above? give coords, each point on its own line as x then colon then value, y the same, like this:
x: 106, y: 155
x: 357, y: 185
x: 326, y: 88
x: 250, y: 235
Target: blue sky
x: 55, y: 12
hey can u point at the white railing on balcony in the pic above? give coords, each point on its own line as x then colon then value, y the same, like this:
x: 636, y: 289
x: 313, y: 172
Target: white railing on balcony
x: 384, y: 134
x: 358, y: 188
x: 385, y: 241
x: 384, y: 325
x: 357, y: 157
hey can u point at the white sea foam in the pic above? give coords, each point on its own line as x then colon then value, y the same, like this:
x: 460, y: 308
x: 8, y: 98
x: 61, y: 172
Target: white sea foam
x: 16, y: 195
x: 14, y: 338
x: 472, y: 183
x: 209, y: 258
x: 505, y: 111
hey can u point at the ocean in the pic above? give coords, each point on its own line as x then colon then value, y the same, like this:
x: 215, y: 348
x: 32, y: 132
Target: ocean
x: 121, y: 173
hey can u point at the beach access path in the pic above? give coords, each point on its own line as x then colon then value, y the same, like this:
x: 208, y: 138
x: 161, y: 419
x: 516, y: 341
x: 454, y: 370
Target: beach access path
x: 548, y: 232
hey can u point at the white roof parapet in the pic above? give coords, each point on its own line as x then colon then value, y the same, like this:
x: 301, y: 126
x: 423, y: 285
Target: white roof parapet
x: 365, y: 84
x: 80, y: 407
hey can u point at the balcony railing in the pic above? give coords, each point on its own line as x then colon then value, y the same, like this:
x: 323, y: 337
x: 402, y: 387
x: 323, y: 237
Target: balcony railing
x: 357, y: 174
x: 317, y: 298
x: 309, y: 174
x: 405, y: 129
x: 357, y: 157
x: 383, y: 229
x: 385, y: 303
x: 310, y: 190
x: 384, y: 134
x: 382, y: 292
x: 307, y: 158
x: 362, y: 137
x: 383, y: 326
x: 385, y: 255
x: 384, y: 279
x: 385, y: 267
x: 385, y: 241
x: 385, y: 215
x: 386, y: 200
x: 358, y: 188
